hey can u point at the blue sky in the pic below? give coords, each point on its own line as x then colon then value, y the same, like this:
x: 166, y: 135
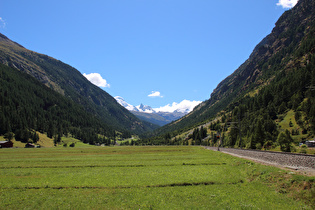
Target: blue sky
x: 154, y: 52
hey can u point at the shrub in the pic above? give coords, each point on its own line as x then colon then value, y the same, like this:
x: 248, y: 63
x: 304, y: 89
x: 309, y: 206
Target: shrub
x: 72, y: 145
x: 9, y: 136
x: 290, y: 124
x: 258, y: 146
x: 268, y: 145
x: 303, y: 148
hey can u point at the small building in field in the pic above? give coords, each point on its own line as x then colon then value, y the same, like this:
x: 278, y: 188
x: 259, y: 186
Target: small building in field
x: 6, y: 144
x: 29, y: 145
x: 310, y: 143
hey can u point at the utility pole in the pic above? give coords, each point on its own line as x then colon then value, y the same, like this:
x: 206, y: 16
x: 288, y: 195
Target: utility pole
x: 221, y: 140
x: 239, y: 129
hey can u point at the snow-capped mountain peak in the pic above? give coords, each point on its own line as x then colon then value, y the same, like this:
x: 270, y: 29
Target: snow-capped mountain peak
x: 160, y: 116
x: 122, y: 102
x: 145, y: 108
x: 185, y: 107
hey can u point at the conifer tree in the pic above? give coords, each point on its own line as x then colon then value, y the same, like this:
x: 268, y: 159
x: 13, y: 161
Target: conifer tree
x: 285, y: 140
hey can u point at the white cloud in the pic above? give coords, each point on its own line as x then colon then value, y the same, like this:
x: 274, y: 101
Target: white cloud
x: 2, y: 23
x: 96, y: 79
x: 287, y: 3
x: 155, y: 94
x: 184, y: 106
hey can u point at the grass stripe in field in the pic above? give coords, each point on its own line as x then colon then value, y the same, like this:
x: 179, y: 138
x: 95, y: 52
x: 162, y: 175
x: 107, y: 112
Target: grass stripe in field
x: 93, y: 166
x: 184, y: 184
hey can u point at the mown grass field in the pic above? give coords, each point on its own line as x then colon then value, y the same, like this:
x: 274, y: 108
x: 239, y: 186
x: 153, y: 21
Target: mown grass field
x: 144, y: 178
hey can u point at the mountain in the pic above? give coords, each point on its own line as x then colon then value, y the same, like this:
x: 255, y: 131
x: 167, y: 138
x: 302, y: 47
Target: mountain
x: 71, y: 84
x: 145, y: 108
x: 278, y: 78
x: 159, y: 116
x: 26, y: 106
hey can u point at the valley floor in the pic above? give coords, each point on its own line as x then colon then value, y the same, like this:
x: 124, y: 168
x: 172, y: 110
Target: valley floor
x: 152, y: 177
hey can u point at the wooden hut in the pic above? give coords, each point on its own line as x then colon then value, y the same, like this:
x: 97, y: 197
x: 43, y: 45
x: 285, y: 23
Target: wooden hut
x: 6, y: 144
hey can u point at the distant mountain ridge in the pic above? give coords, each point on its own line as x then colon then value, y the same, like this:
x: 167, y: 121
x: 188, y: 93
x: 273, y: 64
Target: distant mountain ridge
x: 159, y: 116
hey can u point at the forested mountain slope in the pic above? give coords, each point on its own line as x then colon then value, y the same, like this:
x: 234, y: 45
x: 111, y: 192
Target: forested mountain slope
x: 26, y: 106
x: 277, y: 77
x: 70, y: 83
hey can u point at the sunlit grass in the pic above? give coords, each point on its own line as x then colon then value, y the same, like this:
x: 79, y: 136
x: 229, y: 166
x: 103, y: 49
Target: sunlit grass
x: 285, y: 125
x: 135, y: 177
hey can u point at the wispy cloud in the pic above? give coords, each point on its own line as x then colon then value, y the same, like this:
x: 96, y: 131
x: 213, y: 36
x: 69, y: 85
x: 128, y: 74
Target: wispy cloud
x: 155, y: 94
x: 2, y: 23
x: 286, y: 4
x: 97, y: 79
x: 184, y: 106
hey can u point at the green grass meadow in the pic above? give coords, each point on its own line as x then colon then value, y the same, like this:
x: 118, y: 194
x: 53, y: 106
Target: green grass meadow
x: 144, y: 178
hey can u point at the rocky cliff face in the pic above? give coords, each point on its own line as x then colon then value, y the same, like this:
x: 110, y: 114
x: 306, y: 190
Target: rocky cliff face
x: 13, y: 54
x: 286, y: 36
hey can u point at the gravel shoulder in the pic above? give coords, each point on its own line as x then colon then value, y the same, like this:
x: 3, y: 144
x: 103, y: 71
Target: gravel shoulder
x: 302, y: 164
